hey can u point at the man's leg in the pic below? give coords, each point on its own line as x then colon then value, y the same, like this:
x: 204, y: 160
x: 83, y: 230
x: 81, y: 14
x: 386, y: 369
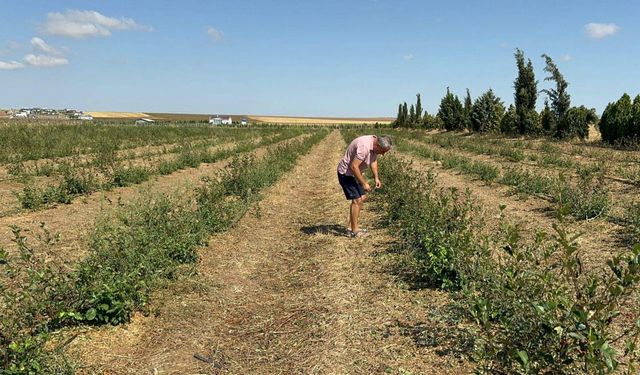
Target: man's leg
x: 356, y: 207
x: 362, y: 199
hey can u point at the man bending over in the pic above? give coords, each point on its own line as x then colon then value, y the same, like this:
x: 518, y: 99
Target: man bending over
x: 361, y: 153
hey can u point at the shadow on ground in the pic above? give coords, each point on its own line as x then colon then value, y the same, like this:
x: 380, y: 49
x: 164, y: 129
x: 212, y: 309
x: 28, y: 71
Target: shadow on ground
x: 333, y: 229
x: 444, y: 332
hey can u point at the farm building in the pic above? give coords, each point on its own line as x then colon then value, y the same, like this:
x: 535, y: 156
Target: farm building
x: 217, y: 120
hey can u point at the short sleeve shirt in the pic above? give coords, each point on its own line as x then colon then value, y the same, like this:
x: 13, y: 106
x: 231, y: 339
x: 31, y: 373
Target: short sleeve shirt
x: 360, y: 148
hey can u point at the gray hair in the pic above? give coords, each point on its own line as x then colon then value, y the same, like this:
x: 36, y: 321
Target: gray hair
x: 384, y: 141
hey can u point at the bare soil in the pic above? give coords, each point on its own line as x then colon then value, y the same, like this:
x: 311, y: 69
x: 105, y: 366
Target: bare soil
x: 286, y: 292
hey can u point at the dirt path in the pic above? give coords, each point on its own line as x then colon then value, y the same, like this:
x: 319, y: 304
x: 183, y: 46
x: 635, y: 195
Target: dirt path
x: 283, y: 292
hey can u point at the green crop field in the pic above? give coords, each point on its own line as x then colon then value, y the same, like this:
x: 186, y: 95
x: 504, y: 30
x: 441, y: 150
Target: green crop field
x: 530, y: 242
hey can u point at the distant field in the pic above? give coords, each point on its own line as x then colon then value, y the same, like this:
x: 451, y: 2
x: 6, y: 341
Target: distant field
x: 117, y: 115
x: 319, y: 120
x: 252, y: 118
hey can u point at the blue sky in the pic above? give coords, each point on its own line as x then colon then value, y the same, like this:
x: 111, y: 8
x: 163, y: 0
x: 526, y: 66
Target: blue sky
x: 317, y: 58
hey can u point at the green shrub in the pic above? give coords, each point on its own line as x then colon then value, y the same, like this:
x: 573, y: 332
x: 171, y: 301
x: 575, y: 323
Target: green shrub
x: 27, y: 303
x: 537, y: 310
x: 125, y: 176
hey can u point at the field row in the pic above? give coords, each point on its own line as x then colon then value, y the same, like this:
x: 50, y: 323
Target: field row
x: 74, y: 182
x: 544, y: 154
x: 585, y: 193
x: 527, y: 300
x: 134, y: 250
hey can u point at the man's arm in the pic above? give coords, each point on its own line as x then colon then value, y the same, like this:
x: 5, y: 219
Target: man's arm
x: 355, y: 168
x: 374, y: 169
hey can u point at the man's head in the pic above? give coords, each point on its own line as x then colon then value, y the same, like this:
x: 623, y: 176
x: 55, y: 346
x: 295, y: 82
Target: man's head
x: 383, y: 144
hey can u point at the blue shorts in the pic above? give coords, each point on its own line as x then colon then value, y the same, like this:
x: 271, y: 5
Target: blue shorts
x: 351, y: 187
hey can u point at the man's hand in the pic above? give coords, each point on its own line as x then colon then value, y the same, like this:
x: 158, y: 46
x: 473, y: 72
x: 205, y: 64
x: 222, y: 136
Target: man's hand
x: 378, y: 183
x: 366, y: 186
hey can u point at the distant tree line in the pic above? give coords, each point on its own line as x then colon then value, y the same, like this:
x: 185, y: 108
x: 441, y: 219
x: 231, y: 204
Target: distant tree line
x: 620, y: 121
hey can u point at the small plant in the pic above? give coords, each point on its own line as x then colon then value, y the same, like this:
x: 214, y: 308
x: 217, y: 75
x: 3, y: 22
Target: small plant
x: 125, y: 176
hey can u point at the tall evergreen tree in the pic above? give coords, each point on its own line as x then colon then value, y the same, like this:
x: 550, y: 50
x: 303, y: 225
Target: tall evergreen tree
x: 418, y: 110
x: 405, y: 114
x: 468, y: 107
x: 451, y: 112
x: 526, y: 94
x: 508, y: 125
x: 398, y: 121
x: 487, y: 112
x: 547, y: 119
x: 635, y: 122
x: 412, y: 115
x: 606, y: 124
x: 560, y: 99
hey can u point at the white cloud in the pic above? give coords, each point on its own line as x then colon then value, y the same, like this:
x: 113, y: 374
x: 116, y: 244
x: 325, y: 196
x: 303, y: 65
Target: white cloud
x: 42, y: 46
x: 86, y: 23
x: 566, y: 57
x: 601, y: 30
x: 408, y: 57
x: 215, y: 34
x: 44, y: 60
x: 11, y: 65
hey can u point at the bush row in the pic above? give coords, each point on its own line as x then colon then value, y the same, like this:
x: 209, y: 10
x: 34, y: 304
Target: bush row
x: 105, y: 158
x: 77, y: 182
x: 43, y: 140
x: 534, y: 308
x: 586, y: 198
x: 137, y: 249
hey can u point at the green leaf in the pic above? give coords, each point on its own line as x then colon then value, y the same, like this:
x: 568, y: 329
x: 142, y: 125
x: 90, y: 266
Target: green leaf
x: 4, y: 256
x: 90, y: 314
x: 524, y: 359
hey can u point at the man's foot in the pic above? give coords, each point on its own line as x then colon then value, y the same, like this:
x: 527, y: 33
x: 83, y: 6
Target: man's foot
x: 365, y: 230
x: 358, y: 234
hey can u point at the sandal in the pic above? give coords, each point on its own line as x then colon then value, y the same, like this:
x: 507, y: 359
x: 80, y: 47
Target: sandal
x: 358, y: 234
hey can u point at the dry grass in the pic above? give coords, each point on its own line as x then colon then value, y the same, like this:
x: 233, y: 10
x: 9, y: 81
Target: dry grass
x: 284, y: 292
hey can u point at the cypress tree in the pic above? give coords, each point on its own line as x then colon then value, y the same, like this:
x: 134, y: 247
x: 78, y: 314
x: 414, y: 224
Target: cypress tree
x: 398, y: 121
x: 418, y: 109
x: 412, y: 115
x: 560, y: 99
x: 605, y: 124
x: 526, y: 94
x: 623, y: 116
x: 509, y: 125
x: 405, y: 114
x: 547, y: 118
x: 468, y: 107
x: 635, y: 127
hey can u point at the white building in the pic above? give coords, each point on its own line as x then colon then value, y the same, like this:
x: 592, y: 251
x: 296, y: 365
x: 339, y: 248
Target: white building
x: 217, y: 120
